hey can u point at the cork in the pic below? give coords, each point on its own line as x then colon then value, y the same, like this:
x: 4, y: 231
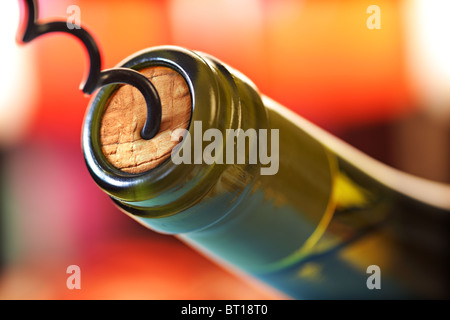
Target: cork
x: 125, y: 114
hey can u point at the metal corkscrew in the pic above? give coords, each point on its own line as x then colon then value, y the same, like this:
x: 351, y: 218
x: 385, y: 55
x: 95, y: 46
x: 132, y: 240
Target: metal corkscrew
x: 96, y: 77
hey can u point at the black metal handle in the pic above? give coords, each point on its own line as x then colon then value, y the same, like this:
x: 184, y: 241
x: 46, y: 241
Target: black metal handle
x: 97, y: 78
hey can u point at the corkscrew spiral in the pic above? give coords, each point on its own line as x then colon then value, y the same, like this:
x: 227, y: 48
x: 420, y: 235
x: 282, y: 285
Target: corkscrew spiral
x: 96, y: 77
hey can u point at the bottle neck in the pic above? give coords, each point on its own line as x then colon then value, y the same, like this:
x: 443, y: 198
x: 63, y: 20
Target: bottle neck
x: 222, y: 100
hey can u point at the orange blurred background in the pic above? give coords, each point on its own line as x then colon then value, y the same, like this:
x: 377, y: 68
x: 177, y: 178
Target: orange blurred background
x: 383, y: 90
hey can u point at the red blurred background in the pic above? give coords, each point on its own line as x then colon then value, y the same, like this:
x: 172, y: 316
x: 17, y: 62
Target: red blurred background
x: 382, y: 90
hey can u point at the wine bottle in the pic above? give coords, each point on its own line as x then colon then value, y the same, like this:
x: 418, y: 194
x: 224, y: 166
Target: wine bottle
x: 328, y: 223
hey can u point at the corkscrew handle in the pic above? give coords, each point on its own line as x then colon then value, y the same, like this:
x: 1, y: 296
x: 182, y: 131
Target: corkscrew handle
x: 96, y: 77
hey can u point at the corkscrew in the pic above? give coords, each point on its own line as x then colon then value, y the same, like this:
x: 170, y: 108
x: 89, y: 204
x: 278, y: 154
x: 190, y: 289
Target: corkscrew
x: 96, y: 77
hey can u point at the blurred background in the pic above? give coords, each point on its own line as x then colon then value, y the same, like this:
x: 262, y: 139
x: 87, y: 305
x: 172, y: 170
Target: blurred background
x: 385, y: 91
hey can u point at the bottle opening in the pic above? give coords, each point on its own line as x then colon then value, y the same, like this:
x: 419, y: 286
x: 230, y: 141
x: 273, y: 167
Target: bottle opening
x: 141, y: 172
x: 125, y: 114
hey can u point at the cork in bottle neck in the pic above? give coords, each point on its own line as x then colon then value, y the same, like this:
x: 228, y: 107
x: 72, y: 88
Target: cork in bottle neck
x: 125, y: 115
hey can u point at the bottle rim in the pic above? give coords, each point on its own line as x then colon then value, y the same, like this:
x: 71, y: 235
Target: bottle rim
x: 157, y: 188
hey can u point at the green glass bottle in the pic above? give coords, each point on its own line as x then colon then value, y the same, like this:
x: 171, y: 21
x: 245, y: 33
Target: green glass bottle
x: 316, y: 229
